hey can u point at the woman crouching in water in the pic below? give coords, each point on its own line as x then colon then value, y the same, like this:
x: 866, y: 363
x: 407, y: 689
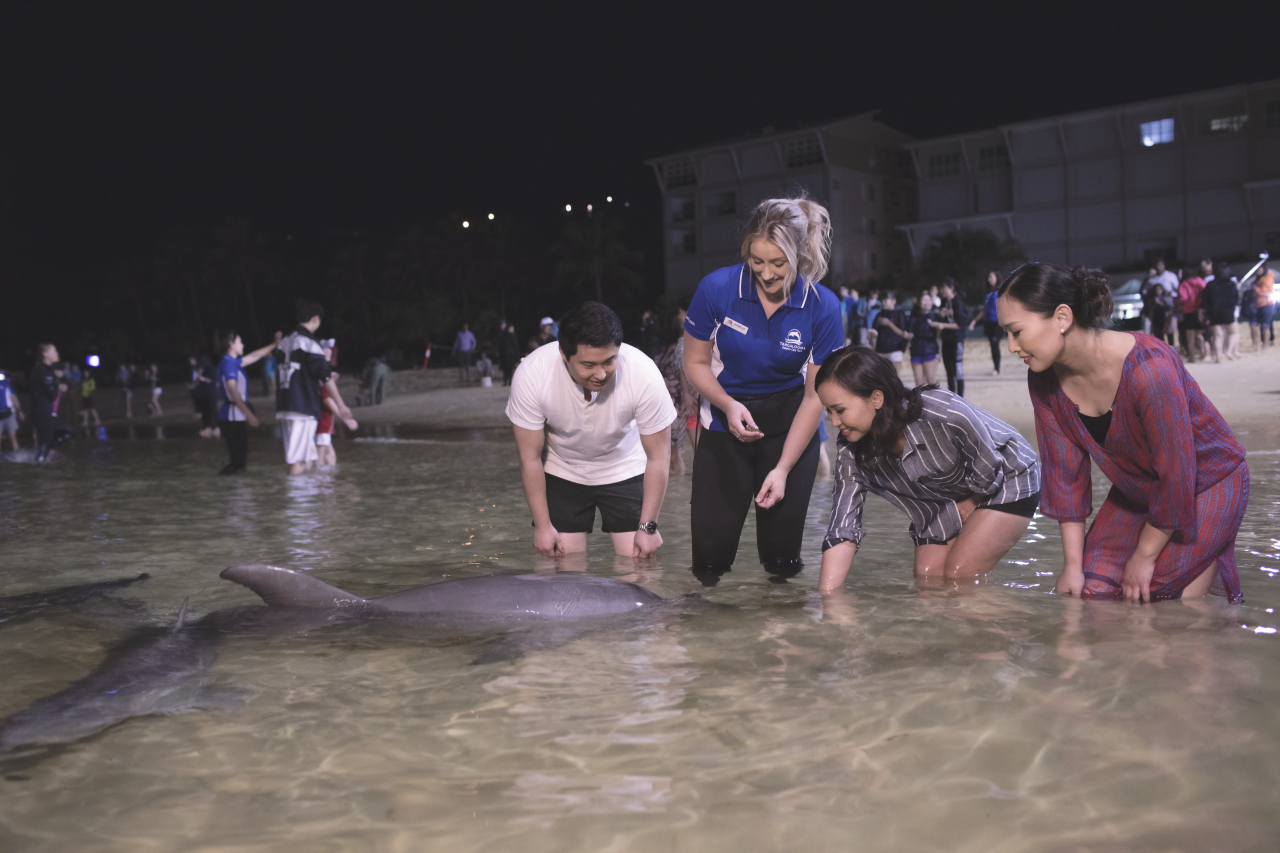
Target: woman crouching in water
x: 1124, y: 399
x: 968, y: 481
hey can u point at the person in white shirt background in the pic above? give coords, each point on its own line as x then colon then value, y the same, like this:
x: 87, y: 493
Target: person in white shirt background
x: 600, y: 410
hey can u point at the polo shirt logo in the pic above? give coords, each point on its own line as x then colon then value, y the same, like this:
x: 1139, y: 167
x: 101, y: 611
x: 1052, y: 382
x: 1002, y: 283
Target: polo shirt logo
x: 794, y: 342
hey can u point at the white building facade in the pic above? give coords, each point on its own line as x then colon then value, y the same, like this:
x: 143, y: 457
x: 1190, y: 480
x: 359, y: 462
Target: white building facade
x: 1179, y: 178
x: 854, y: 167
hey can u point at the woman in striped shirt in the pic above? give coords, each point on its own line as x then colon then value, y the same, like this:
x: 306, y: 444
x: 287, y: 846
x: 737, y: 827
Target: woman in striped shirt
x: 1180, y: 482
x: 968, y: 481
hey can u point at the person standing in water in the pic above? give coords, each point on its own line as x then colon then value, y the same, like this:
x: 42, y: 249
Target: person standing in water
x: 754, y: 336
x: 234, y: 415
x: 301, y: 370
x: 1125, y: 400
x: 968, y: 481
x: 46, y: 386
x: 10, y: 412
x: 592, y: 423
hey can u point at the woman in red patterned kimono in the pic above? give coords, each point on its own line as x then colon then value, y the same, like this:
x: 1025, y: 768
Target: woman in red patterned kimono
x: 1179, y: 480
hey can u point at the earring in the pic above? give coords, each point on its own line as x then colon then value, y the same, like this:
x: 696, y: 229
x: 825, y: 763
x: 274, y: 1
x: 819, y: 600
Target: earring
x: 1062, y: 331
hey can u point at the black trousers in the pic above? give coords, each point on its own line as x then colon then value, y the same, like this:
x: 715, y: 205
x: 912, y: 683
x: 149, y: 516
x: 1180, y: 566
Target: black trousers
x: 953, y: 362
x: 727, y: 475
x: 995, y: 337
x: 236, y: 435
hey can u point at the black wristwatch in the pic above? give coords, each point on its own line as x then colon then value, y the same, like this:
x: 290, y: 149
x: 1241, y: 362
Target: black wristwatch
x: 650, y: 527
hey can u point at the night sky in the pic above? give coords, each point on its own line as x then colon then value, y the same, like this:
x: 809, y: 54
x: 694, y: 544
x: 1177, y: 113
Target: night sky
x: 121, y: 120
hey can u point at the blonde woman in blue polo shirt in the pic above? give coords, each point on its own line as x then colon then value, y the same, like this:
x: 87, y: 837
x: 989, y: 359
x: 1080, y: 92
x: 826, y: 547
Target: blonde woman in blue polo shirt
x: 754, y: 336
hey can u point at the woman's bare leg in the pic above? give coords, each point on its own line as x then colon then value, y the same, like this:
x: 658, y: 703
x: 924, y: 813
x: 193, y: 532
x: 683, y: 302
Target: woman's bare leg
x: 931, y: 560
x: 931, y: 371
x: 917, y: 370
x: 1199, y: 587
x: 983, y: 541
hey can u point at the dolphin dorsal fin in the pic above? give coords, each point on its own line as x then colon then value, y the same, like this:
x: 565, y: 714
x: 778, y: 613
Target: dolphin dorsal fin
x: 281, y: 587
x: 182, y: 615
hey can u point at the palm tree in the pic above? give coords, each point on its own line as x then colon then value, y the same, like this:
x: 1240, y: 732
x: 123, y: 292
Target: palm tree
x: 593, y: 252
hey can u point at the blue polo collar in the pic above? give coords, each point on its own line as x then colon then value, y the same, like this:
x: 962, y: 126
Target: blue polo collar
x: 798, y: 298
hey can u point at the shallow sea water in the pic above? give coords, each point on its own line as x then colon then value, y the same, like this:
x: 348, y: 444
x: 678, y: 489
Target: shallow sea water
x: 993, y: 718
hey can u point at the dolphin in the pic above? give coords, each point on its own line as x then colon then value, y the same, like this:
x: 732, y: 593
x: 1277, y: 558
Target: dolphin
x: 16, y: 606
x: 164, y: 671
x: 152, y: 672
x: 557, y: 598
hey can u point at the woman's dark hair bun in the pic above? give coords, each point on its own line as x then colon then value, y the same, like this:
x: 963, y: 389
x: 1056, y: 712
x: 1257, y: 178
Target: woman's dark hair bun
x: 1043, y: 287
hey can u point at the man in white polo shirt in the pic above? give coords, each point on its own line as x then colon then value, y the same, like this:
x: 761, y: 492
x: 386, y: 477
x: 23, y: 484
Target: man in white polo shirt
x: 601, y: 411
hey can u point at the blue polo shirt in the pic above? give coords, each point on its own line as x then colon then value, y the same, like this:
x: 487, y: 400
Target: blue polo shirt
x: 229, y: 368
x: 757, y: 355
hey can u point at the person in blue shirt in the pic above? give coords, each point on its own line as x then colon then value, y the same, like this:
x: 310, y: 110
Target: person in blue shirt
x: 991, y: 322
x: 234, y: 415
x: 754, y: 336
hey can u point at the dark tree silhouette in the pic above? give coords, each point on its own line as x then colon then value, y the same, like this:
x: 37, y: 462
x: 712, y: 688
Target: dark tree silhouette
x: 592, y: 251
x: 967, y: 255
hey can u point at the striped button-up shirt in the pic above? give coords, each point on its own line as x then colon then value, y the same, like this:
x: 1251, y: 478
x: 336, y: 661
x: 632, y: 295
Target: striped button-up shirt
x: 954, y: 451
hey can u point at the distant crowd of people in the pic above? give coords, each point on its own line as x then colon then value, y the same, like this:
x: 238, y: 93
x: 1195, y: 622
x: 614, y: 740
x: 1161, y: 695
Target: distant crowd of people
x: 1200, y: 311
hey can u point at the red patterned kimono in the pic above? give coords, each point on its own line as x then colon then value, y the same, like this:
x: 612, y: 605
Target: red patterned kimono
x: 1172, y: 461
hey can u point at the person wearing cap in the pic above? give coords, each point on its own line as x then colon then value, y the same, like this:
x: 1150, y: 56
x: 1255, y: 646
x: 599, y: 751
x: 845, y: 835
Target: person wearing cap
x: 546, y: 334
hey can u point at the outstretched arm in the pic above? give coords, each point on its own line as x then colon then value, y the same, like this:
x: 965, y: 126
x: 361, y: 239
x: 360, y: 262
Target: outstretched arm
x: 259, y: 353
x: 546, y: 539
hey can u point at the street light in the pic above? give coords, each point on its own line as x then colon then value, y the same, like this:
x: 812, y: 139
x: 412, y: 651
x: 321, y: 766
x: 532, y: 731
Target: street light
x: 491, y: 217
x: 568, y: 208
x: 608, y: 198
x: 466, y: 224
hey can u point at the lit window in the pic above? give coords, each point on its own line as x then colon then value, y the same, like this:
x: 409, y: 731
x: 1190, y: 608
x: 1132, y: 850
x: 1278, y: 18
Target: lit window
x: 679, y: 173
x: 1157, y: 132
x: 992, y: 157
x: 944, y: 165
x: 1228, y: 124
x: 1273, y: 114
x: 804, y: 151
x: 682, y: 209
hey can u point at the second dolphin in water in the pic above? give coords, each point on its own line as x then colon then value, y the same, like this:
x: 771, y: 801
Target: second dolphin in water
x: 560, y: 597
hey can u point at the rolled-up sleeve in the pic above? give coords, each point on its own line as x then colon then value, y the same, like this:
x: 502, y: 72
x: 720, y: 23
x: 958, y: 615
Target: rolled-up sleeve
x: 827, y: 334
x: 1066, y: 490
x: 847, y: 499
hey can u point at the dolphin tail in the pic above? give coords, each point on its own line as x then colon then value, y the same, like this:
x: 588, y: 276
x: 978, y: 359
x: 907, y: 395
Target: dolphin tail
x: 182, y: 615
x: 280, y: 587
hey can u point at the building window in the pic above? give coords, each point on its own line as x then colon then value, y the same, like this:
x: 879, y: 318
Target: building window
x: 944, y: 165
x: 875, y: 263
x: 1228, y: 124
x: 726, y: 204
x: 871, y: 226
x: 804, y: 151
x: 684, y: 242
x: 1273, y: 114
x: 993, y: 157
x: 1157, y: 132
x: 682, y: 209
x: 679, y: 173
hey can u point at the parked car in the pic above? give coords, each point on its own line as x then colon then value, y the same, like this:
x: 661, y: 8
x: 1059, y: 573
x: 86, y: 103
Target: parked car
x: 1126, y: 301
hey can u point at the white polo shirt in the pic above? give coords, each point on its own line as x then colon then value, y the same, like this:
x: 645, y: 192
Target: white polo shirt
x: 594, y: 442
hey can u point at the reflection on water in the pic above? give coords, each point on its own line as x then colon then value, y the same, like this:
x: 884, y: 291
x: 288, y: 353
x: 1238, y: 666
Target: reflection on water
x: 989, y: 717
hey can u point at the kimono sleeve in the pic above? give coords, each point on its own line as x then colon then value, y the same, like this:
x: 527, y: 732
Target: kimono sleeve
x: 1066, y: 488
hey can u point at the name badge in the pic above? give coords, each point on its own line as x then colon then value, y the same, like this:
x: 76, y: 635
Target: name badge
x: 735, y: 325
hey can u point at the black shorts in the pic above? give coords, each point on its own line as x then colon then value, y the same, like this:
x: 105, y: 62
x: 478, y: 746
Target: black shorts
x: 572, y: 506
x: 1191, y: 322
x: 1025, y: 508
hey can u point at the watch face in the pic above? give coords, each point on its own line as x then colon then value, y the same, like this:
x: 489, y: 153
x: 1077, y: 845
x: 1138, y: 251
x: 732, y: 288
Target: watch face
x: 650, y: 527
